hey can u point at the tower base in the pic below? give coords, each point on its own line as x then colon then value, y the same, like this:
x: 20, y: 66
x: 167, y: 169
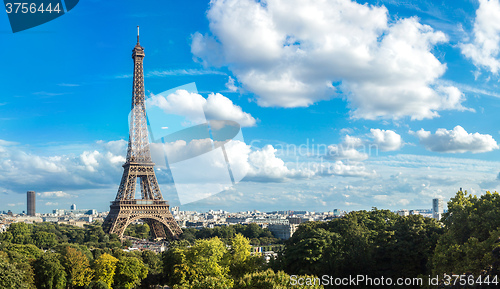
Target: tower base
x: 156, y: 213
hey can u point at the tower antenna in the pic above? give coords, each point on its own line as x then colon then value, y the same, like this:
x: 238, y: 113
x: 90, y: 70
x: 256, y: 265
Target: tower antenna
x: 137, y: 34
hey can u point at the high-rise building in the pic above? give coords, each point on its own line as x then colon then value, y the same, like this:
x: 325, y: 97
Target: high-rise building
x: 437, y: 208
x: 31, y: 203
x: 73, y: 207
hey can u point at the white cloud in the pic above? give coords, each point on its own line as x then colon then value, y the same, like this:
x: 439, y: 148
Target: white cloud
x: 219, y: 107
x: 351, y: 149
x: 456, y: 141
x: 89, y: 160
x: 57, y: 194
x: 91, y: 168
x: 265, y: 166
x: 230, y: 84
x: 290, y: 52
x: 356, y: 149
x: 116, y: 147
x: 51, y: 204
x: 386, y: 140
x: 180, y: 150
x: 192, y: 106
x: 182, y: 102
x: 484, y: 48
x: 7, y: 143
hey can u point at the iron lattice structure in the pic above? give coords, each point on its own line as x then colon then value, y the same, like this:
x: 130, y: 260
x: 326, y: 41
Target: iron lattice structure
x: 125, y: 209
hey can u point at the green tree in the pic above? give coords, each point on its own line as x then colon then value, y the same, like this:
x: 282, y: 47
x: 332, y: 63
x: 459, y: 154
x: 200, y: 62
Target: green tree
x: 26, y: 252
x: 413, y: 242
x: 104, y: 268
x: 22, y: 261
x: 21, y: 233
x: 207, y: 258
x: 310, y: 248
x: 6, y: 237
x: 94, y: 233
x: 77, y: 267
x: 98, y: 285
x: 240, y: 248
x: 207, y: 282
x: 280, y: 280
x: 198, y: 265
x: 11, y: 277
x: 241, y: 262
x: 49, y: 273
x: 44, y: 239
x: 129, y: 272
x: 471, y: 229
x: 174, y: 263
x: 154, y: 263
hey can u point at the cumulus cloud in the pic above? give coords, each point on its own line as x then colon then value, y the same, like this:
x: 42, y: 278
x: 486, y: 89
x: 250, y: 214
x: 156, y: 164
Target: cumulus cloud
x: 484, y: 48
x: 219, y: 107
x: 457, y: 140
x: 265, y: 166
x: 292, y: 53
x: 21, y: 170
x: 89, y: 160
x: 351, y: 148
x: 386, y: 140
x: 57, y: 194
x: 357, y: 149
x: 195, y: 107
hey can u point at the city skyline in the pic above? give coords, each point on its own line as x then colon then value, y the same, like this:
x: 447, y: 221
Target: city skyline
x: 385, y: 105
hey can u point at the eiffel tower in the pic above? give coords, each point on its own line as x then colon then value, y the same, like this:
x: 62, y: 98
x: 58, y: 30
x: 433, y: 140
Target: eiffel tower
x: 151, y: 208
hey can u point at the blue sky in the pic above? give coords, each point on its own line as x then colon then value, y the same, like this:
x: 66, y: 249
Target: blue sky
x: 415, y: 81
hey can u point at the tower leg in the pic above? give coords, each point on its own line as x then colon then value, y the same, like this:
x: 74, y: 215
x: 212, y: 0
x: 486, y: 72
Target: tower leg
x: 157, y: 229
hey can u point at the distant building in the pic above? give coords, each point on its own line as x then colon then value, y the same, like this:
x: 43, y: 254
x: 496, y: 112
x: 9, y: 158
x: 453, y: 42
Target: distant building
x: 437, y: 208
x: 337, y: 212
x: 73, y: 207
x: 62, y: 212
x: 403, y: 213
x: 282, y: 231
x: 31, y: 203
x: 294, y: 220
x: 237, y: 220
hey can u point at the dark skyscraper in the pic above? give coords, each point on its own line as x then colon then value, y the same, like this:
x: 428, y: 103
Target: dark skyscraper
x: 31, y: 203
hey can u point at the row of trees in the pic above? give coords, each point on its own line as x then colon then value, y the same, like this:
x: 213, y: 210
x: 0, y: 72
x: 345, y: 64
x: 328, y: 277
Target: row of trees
x: 380, y: 243
x: 47, y: 255
x: 211, y: 263
x: 47, y: 235
x: 472, y: 235
x: 375, y: 243
x: 26, y: 266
